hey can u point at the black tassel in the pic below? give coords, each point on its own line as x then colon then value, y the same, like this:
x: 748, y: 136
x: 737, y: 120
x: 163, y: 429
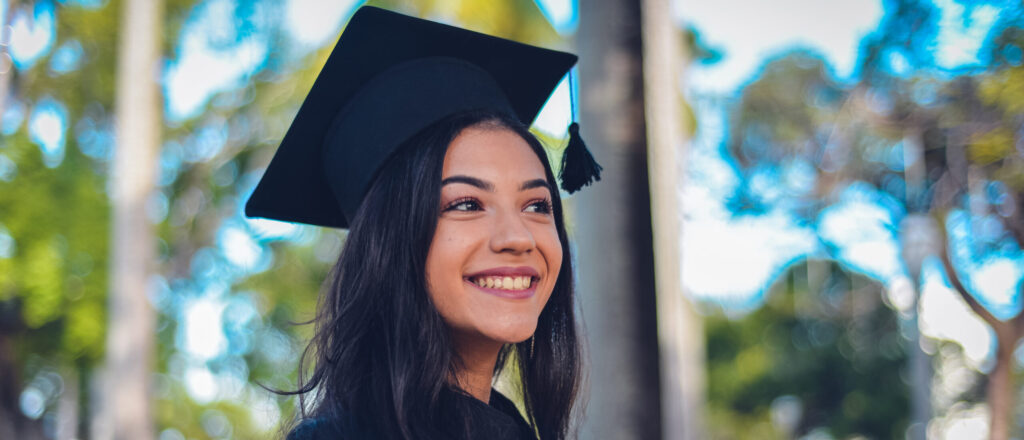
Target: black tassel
x: 579, y: 168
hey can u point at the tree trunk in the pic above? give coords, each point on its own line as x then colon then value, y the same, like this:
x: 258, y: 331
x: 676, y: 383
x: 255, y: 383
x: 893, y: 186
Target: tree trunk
x: 920, y: 374
x: 919, y: 239
x: 68, y: 404
x: 6, y: 63
x: 126, y: 410
x: 680, y: 330
x: 13, y: 422
x: 613, y: 231
x: 1001, y: 389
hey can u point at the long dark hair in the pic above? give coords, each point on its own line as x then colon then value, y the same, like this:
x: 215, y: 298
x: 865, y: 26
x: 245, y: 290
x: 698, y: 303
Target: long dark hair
x: 382, y: 354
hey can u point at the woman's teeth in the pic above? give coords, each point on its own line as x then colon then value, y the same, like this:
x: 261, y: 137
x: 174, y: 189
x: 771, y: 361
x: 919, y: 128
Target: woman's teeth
x: 506, y: 283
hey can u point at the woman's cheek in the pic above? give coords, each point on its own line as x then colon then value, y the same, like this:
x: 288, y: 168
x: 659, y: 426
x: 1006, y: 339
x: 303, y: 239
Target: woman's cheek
x: 551, y: 248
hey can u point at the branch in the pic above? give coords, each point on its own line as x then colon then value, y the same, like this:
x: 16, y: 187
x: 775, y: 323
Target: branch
x: 954, y: 280
x: 943, y: 191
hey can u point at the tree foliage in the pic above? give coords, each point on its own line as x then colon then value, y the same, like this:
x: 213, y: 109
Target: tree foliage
x: 823, y: 353
x: 940, y: 141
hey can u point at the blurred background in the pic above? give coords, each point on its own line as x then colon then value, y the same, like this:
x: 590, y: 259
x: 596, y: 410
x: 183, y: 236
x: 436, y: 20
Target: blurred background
x: 809, y: 224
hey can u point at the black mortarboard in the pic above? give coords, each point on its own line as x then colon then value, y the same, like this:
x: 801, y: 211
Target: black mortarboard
x: 388, y: 77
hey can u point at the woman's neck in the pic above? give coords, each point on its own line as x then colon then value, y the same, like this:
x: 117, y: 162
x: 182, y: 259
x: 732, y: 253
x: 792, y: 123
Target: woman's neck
x: 477, y: 372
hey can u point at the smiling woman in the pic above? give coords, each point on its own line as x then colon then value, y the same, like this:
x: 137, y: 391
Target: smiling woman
x: 457, y: 261
x: 496, y: 253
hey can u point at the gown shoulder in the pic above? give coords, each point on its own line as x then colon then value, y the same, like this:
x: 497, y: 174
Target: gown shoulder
x: 343, y: 428
x: 461, y: 416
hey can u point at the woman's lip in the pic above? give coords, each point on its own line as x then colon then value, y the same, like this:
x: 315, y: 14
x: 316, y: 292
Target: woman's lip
x: 519, y: 271
x: 511, y: 294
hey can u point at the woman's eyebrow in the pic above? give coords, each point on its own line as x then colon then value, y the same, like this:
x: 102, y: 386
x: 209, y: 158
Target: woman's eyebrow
x: 484, y: 185
x: 535, y: 183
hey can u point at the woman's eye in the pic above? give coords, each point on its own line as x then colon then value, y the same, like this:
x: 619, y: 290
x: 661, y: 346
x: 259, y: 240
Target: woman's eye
x: 539, y: 206
x: 463, y: 205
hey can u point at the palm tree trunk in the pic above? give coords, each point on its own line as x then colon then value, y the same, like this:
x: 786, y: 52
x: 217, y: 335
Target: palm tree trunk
x: 613, y: 229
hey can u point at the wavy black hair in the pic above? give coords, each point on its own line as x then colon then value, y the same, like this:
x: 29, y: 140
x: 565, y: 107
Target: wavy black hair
x: 381, y: 353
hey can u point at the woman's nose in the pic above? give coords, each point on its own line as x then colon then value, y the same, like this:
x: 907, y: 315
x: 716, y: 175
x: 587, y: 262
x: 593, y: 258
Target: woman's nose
x: 510, y: 234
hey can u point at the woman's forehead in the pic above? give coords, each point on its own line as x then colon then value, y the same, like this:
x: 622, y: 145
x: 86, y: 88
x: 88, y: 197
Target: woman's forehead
x: 497, y: 153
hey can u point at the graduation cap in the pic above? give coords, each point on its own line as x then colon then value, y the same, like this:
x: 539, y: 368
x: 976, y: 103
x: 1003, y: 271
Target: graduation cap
x: 388, y: 77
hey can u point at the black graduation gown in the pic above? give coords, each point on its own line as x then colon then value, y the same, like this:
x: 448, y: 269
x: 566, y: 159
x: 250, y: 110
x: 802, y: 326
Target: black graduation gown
x: 498, y: 420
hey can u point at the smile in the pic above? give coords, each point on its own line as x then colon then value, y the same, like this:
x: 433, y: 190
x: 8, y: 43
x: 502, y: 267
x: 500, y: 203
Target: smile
x: 506, y: 283
x: 520, y: 282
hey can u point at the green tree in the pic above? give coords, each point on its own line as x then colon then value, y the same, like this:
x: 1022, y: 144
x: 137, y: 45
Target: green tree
x: 54, y: 213
x: 823, y: 353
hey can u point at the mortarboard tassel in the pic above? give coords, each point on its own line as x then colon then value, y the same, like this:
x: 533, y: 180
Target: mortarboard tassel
x: 579, y: 168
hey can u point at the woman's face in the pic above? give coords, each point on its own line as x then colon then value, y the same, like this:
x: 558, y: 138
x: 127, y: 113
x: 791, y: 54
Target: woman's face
x: 495, y: 255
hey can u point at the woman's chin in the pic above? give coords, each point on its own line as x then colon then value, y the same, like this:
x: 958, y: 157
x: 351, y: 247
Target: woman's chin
x: 511, y: 334
x: 514, y: 339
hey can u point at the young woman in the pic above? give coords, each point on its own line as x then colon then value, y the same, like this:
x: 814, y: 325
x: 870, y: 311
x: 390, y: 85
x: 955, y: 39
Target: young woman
x: 456, y: 265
